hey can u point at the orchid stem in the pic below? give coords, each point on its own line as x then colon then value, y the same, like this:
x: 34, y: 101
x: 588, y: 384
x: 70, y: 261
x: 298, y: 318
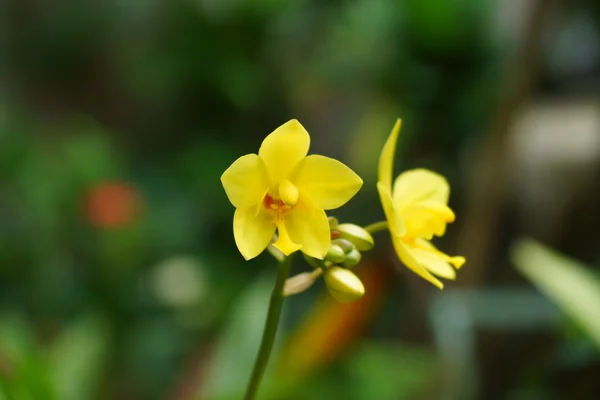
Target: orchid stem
x: 270, y: 330
x: 377, y: 227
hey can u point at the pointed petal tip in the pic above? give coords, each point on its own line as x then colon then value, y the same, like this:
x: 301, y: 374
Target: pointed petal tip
x: 386, y: 158
x: 437, y: 283
x: 283, y: 150
x: 293, y: 124
x: 451, y: 216
x: 434, y: 281
x: 287, y: 248
x: 458, y: 261
x: 314, y: 254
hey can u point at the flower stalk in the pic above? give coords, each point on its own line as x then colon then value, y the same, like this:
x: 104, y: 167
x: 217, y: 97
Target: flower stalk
x: 377, y: 227
x: 270, y: 330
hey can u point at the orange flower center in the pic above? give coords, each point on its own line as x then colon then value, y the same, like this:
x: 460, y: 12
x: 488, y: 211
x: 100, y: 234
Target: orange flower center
x: 276, y: 205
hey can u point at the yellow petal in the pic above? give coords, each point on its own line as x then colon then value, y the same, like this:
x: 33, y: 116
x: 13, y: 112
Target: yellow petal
x: 457, y: 261
x: 419, y: 185
x: 386, y: 159
x: 441, y: 210
x: 253, y: 229
x: 246, y: 181
x: 422, y: 222
x: 284, y: 243
x: 283, y: 150
x: 406, y: 256
x: 395, y: 224
x: 434, y: 264
x: 327, y: 182
x: 308, y: 226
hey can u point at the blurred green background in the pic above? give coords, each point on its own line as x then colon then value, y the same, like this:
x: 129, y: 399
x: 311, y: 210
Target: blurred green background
x: 119, y: 276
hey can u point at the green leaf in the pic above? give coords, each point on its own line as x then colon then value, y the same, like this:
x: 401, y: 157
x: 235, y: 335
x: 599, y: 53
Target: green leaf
x: 77, y: 358
x: 374, y: 370
x: 237, y: 347
x: 390, y: 371
x: 573, y: 287
x: 16, y: 338
x: 26, y: 374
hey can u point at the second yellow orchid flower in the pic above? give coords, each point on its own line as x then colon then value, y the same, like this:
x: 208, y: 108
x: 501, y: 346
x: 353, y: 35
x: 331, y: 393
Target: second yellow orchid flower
x: 416, y: 208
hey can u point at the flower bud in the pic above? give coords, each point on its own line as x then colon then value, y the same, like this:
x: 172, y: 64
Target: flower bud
x: 333, y: 222
x: 343, y: 285
x: 301, y: 282
x: 352, y: 259
x: 335, y: 254
x: 357, y: 235
x: 346, y: 245
x: 314, y: 262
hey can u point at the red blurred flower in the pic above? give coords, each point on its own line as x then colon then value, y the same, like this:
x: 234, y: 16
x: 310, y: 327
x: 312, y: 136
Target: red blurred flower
x: 112, y: 204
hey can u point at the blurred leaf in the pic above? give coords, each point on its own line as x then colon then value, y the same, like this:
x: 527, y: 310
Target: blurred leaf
x: 77, y: 358
x: 152, y: 352
x: 41, y: 184
x: 89, y: 154
x: 25, y: 372
x: 241, y: 80
x: 358, y: 42
x: 444, y: 25
x: 370, y: 134
x: 14, y: 143
x: 30, y: 381
x: 374, y: 370
x: 16, y: 339
x: 237, y: 347
x: 572, y: 286
x: 389, y: 371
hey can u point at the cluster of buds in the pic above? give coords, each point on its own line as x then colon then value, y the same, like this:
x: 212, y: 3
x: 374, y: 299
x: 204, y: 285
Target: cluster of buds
x: 347, y: 243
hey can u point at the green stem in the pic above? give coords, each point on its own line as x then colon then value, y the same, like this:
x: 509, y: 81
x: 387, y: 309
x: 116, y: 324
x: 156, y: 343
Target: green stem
x: 377, y: 227
x: 270, y: 329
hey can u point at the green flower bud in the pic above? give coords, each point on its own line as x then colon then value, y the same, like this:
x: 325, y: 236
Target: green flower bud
x: 333, y: 222
x: 357, y: 235
x: 346, y: 245
x: 343, y: 285
x: 352, y: 259
x: 314, y: 262
x: 335, y: 254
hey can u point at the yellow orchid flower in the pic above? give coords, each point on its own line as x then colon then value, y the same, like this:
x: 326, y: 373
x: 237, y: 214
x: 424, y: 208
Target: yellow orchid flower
x: 416, y: 208
x: 283, y: 189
